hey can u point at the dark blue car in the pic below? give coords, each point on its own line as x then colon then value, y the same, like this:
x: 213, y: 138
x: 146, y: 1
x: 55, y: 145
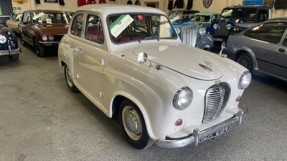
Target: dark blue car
x: 8, y: 43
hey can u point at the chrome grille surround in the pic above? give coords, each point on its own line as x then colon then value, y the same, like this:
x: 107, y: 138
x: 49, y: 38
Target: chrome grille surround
x: 216, y: 98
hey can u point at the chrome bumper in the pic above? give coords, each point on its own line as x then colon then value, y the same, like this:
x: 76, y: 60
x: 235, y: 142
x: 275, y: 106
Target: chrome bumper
x: 10, y: 52
x: 197, y: 135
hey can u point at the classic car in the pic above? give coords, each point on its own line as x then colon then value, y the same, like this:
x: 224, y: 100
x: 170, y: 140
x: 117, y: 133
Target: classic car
x: 14, y: 21
x: 43, y: 28
x: 8, y: 43
x: 3, y: 19
x: 234, y: 19
x: 262, y: 48
x: 129, y: 61
x: 192, y: 30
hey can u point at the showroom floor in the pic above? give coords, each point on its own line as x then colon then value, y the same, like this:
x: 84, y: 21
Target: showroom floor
x: 41, y: 120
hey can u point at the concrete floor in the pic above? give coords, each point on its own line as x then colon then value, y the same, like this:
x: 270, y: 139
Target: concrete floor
x: 41, y: 120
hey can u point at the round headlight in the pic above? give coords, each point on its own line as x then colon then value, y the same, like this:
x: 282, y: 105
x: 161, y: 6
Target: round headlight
x: 228, y: 26
x: 44, y: 37
x: 2, y: 39
x: 182, y: 99
x: 215, y: 26
x: 244, y: 80
x: 51, y: 37
x: 202, y: 31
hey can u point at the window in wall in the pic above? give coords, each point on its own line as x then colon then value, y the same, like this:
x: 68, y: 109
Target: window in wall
x: 94, y: 29
x: 77, y: 25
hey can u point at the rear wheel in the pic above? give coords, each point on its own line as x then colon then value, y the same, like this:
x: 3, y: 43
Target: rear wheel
x: 133, y: 125
x: 245, y: 60
x: 69, y: 80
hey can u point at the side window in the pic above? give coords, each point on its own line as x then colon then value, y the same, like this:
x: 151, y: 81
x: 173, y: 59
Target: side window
x: 270, y: 32
x: 94, y: 30
x: 77, y: 25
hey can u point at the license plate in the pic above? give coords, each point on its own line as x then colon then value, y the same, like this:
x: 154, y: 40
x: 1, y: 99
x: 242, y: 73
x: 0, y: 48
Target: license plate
x: 217, y: 133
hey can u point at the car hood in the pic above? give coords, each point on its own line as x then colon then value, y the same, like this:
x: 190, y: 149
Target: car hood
x: 189, y: 61
x: 53, y: 29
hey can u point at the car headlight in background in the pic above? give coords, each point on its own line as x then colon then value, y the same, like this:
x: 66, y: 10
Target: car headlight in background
x: 202, y: 31
x: 228, y: 26
x: 51, y: 37
x: 215, y: 26
x: 244, y: 80
x: 182, y: 98
x: 44, y: 37
x: 2, y: 39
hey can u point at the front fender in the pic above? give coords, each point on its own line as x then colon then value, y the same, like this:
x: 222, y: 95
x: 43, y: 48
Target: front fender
x: 251, y: 54
x: 205, y: 41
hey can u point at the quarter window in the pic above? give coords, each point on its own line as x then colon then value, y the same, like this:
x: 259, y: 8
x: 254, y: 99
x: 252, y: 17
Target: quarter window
x: 94, y: 30
x: 270, y: 32
x: 77, y: 26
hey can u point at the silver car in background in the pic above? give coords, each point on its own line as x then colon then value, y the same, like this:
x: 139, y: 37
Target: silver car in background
x: 261, y: 48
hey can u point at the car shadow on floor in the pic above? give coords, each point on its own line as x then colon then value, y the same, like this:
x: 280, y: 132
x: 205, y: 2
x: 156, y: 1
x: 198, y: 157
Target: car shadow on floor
x: 271, y: 81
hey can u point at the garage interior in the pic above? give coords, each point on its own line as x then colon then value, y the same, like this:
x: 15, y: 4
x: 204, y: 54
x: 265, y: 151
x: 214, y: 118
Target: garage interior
x: 40, y: 119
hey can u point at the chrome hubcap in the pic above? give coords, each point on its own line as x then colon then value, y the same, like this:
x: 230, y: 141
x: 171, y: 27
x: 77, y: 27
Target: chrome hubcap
x: 132, y: 123
x: 69, y: 77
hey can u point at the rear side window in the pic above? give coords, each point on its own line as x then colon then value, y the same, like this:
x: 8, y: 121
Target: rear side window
x: 77, y: 25
x: 94, y: 30
x: 270, y: 32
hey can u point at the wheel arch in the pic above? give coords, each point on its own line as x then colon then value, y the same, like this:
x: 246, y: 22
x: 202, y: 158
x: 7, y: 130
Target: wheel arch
x: 116, y: 101
x: 250, y: 53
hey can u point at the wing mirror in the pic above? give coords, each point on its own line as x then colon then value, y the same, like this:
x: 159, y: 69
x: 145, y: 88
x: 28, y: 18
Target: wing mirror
x: 223, y: 46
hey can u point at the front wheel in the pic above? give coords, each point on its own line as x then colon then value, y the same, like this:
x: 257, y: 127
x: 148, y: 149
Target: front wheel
x: 133, y: 125
x: 69, y: 80
x: 245, y: 60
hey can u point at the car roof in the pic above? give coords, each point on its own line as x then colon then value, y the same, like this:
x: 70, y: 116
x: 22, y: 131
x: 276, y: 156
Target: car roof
x: 116, y: 8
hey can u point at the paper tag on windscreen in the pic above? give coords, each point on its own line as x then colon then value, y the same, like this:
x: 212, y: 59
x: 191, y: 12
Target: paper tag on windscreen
x: 121, y: 23
x: 174, y: 18
x: 49, y: 21
x: 38, y: 15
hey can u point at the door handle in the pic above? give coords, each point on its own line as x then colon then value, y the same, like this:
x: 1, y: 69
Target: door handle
x: 282, y: 50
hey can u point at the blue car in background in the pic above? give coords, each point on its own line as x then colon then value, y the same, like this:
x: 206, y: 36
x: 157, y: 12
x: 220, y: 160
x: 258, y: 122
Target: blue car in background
x: 192, y: 31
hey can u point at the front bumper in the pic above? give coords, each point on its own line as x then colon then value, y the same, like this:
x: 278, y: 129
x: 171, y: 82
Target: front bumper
x: 49, y: 43
x: 195, y: 137
x: 10, y: 52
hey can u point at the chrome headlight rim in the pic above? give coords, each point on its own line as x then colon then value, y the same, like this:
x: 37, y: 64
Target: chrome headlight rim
x: 215, y: 26
x: 245, y: 80
x: 3, y: 39
x: 51, y: 37
x: 182, y: 98
x: 228, y: 26
x: 44, y: 37
x: 202, y: 31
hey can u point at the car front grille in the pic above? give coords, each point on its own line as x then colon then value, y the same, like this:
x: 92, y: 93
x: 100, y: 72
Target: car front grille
x: 221, y: 31
x: 189, y: 35
x: 216, y: 98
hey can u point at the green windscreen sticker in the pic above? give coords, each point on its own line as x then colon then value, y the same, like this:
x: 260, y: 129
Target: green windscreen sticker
x: 120, y: 24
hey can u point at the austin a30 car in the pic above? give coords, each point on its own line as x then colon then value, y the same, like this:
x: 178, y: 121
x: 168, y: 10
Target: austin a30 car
x: 130, y: 63
x: 8, y: 43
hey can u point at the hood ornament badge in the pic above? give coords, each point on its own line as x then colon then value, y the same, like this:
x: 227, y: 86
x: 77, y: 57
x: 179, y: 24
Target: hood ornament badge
x: 205, y: 67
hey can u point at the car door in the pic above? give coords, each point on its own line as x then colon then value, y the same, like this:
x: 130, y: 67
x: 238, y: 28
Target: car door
x: 88, y: 57
x: 280, y: 57
x: 264, y: 42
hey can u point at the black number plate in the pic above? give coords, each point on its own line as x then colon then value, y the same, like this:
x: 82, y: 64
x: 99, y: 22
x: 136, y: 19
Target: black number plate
x: 217, y: 133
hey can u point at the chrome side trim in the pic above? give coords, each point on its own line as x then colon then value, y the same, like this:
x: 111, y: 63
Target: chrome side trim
x: 197, y: 135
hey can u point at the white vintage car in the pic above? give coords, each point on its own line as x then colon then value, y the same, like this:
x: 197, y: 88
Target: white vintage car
x: 130, y: 63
